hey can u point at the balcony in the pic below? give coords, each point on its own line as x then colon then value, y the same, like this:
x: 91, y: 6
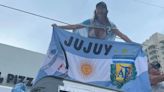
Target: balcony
x: 154, y: 57
x: 162, y: 42
x: 151, y: 47
x: 162, y: 47
x: 153, y: 52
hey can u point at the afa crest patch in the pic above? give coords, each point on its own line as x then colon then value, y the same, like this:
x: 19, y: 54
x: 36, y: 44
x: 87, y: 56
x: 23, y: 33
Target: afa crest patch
x: 122, y: 72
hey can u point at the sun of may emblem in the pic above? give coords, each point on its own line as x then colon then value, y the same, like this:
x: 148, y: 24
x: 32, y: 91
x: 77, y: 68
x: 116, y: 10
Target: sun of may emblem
x: 86, y: 69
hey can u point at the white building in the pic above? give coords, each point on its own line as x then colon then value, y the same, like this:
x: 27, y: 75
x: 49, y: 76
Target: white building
x: 18, y: 64
x: 154, y: 47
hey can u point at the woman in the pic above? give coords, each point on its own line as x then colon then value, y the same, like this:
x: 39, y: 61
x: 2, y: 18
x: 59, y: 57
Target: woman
x: 156, y: 77
x: 99, y: 27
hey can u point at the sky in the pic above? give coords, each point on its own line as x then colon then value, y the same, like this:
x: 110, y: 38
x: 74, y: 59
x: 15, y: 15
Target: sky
x: 132, y: 17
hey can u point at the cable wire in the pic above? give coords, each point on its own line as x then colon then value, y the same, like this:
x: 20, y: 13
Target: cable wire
x: 92, y: 26
x: 33, y: 14
x: 47, y: 17
x: 150, y: 4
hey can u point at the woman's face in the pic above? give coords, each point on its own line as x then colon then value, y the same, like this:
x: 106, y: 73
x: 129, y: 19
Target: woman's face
x: 153, y: 71
x: 101, y: 12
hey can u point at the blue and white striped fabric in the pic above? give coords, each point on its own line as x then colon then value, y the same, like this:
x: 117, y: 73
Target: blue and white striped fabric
x: 105, y: 63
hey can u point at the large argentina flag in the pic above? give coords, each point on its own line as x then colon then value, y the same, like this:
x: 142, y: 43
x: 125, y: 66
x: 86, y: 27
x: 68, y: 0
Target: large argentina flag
x: 104, y: 63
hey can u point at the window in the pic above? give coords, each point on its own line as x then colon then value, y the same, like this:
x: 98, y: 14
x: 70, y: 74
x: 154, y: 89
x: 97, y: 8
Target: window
x: 163, y: 53
x: 162, y: 42
x: 151, y: 47
x: 155, y: 61
x: 153, y: 57
x: 162, y: 47
x: 146, y: 51
x: 153, y: 52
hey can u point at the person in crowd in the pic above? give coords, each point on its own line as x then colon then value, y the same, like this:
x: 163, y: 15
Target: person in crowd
x: 20, y: 87
x: 156, y: 77
x: 99, y: 27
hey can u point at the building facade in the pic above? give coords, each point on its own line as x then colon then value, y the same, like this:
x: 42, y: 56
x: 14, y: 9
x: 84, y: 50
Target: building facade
x: 20, y: 65
x: 154, y: 47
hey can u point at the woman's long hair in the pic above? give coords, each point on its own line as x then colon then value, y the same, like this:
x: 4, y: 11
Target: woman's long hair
x: 95, y: 18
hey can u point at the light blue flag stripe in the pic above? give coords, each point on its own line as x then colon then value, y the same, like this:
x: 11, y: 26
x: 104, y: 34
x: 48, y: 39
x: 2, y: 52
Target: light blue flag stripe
x: 63, y: 41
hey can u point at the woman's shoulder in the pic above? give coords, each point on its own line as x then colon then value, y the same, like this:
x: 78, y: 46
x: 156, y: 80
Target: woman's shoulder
x: 87, y: 22
x: 111, y: 24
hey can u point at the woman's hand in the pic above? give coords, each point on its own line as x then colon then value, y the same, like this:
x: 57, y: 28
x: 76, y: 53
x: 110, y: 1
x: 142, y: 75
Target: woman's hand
x: 54, y: 25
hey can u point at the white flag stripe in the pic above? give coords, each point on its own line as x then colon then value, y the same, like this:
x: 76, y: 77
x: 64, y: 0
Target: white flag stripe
x: 99, y: 68
x: 48, y: 59
x: 141, y: 65
x: 56, y: 66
